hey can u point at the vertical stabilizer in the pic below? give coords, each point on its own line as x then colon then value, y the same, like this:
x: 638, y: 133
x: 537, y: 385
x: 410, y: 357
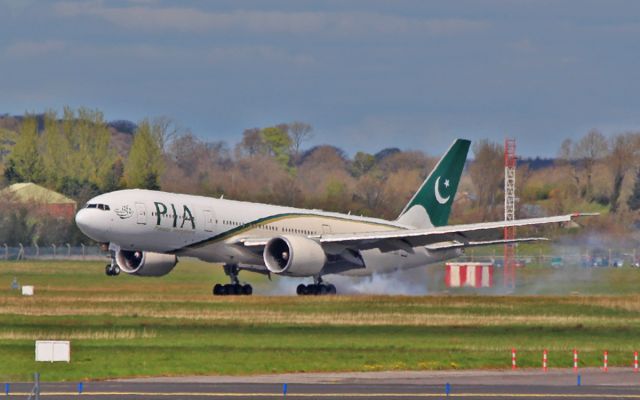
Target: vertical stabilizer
x: 431, y: 205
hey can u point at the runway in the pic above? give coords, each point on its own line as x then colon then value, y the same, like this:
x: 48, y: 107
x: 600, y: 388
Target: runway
x: 523, y: 384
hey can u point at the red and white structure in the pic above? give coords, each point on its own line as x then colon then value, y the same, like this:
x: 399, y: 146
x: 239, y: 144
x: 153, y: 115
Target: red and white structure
x: 513, y: 359
x: 605, y: 366
x: 509, y: 212
x: 575, y: 360
x: 544, y: 360
x: 471, y: 274
x: 635, y: 361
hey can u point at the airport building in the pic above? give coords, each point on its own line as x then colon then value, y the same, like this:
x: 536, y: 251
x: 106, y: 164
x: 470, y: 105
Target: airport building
x: 50, y: 202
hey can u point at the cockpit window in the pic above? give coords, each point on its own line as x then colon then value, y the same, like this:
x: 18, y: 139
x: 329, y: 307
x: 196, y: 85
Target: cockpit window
x: 103, y: 207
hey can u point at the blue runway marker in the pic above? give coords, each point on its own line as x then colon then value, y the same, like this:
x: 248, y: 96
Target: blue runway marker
x: 6, y: 389
x: 447, y: 389
x: 284, y: 390
x: 579, y: 380
x: 80, y: 387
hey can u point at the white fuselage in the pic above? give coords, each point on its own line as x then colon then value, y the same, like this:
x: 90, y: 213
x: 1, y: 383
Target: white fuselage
x: 210, y: 229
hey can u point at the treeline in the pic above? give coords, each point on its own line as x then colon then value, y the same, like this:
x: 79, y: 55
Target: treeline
x: 78, y: 155
x: 81, y: 155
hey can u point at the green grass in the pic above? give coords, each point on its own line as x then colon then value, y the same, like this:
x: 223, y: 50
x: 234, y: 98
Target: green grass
x: 131, y: 326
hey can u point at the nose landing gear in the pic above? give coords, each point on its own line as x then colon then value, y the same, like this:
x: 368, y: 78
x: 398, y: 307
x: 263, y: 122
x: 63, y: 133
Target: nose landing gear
x: 235, y: 288
x: 112, y: 270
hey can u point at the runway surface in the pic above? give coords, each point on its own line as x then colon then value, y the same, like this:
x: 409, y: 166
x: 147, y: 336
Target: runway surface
x: 523, y: 384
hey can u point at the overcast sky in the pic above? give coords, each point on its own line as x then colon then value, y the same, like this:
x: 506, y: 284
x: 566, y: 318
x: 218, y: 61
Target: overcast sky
x: 366, y: 74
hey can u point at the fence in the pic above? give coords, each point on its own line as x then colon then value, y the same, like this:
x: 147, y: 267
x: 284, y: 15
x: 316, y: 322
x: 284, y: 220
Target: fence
x: 51, y: 252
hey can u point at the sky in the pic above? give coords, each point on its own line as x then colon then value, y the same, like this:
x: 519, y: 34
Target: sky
x: 366, y: 75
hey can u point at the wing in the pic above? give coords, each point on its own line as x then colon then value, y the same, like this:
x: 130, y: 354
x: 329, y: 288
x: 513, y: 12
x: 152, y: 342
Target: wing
x: 466, y: 235
x: 445, y: 237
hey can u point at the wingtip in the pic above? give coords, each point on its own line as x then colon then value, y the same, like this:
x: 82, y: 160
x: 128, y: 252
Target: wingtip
x: 583, y: 214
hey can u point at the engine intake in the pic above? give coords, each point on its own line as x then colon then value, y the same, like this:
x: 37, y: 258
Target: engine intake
x: 294, y: 256
x: 145, y: 263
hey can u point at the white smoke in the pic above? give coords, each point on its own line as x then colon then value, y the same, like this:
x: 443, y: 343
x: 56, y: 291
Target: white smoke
x: 409, y: 283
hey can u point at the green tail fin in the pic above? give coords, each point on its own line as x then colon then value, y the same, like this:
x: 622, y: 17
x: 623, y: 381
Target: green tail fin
x: 431, y: 205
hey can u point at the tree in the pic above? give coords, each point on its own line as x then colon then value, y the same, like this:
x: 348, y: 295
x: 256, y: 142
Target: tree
x: 25, y: 161
x: 299, y: 132
x: 362, y: 163
x: 145, y: 162
x: 277, y: 143
x: 587, y: 152
x: 78, y: 147
x: 113, y: 179
x: 371, y: 190
x: 634, y: 200
x: 623, y: 152
x: 336, y: 195
x: 252, y: 143
x: 81, y: 190
x: 566, y: 159
x: 164, y: 130
x: 487, y: 174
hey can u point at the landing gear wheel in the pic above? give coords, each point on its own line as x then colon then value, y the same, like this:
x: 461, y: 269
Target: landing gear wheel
x: 301, y: 290
x: 227, y: 289
x: 232, y: 290
x: 316, y: 289
x: 217, y: 289
x: 112, y: 270
x: 235, y: 288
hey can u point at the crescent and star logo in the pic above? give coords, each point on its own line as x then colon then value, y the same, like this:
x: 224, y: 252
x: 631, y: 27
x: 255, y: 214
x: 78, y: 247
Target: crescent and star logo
x: 439, y: 198
x: 124, y: 212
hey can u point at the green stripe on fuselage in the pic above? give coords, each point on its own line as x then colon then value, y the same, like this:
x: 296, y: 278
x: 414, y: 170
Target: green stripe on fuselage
x: 274, y: 218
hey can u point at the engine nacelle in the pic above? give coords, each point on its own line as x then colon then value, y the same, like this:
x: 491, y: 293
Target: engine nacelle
x: 145, y: 263
x: 294, y: 255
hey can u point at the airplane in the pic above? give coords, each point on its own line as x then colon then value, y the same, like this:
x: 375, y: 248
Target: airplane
x: 146, y: 231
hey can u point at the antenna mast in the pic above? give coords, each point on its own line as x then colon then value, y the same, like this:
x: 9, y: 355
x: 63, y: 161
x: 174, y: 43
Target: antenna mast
x: 509, y: 212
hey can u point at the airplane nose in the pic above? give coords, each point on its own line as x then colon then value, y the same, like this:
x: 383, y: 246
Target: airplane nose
x: 82, y: 220
x: 94, y: 223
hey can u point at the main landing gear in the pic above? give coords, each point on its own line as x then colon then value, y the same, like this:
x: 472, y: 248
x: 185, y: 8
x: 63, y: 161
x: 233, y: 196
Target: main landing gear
x: 316, y: 288
x: 235, y: 288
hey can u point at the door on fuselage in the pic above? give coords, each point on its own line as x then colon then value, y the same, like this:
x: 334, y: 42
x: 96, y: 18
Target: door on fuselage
x: 141, y: 212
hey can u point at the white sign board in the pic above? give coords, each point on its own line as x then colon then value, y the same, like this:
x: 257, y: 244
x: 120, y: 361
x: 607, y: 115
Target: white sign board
x: 27, y: 290
x: 53, y: 350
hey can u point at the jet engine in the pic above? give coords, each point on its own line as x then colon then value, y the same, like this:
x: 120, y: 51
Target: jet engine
x: 145, y: 263
x: 294, y: 255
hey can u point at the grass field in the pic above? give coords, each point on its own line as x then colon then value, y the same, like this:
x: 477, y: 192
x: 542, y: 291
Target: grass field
x: 131, y: 326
